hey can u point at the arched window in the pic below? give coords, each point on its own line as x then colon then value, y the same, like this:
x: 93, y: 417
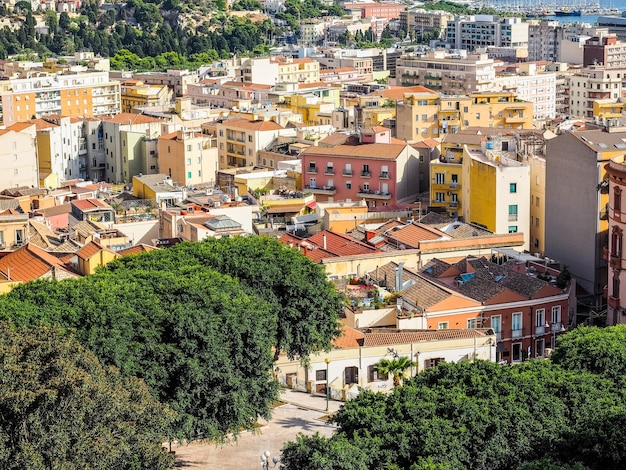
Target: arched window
x: 615, y: 294
x: 617, y: 199
x: 616, y: 242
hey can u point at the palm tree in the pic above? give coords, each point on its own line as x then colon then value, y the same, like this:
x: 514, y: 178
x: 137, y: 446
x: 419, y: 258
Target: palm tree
x: 396, y: 367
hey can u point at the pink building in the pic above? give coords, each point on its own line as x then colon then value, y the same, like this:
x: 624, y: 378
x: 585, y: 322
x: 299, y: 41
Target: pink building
x: 379, y: 10
x: 370, y: 166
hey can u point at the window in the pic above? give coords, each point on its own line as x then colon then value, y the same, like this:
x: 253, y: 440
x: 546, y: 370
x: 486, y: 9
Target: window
x: 198, y: 160
x: 517, y: 352
x: 496, y: 323
x: 428, y: 363
x: 348, y: 184
x: 540, y: 317
x: 424, y: 117
x: 19, y: 237
x: 189, y: 161
x: 455, y: 178
x: 512, y: 228
x: 320, y: 375
x: 169, y: 150
x: 513, y: 187
x: 616, y: 242
x: 537, y: 222
x: 537, y: 201
x: 442, y: 325
x: 471, y: 323
x: 440, y: 178
x: 513, y: 212
x: 189, y: 174
x: 249, y: 138
x: 373, y: 375
x: 516, y: 325
x: 352, y: 375
x: 440, y: 197
x: 540, y: 348
x: 366, y: 170
x: 556, y: 314
x: 617, y: 199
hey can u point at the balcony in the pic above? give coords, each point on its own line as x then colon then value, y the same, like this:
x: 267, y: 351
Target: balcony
x: 348, y: 173
x: 329, y: 190
x: 613, y: 301
x: 540, y: 330
x: 384, y: 175
x: 615, y: 261
x: 312, y: 170
x: 370, y: 194
x: 517, y: 333
x: 454, y: 185
x: 453, y: 204
x: 515, y: 119
x: 366, y: 174
x: 329, y: 171
x: 432, y: 77
x: 437, y: 201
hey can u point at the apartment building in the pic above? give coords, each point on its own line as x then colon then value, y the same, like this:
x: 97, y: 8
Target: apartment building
x: 451, y: 73
x: 604, y: 50
x: 613, y: 250
x: 387, y: 11
x: 591, y: 84
x: 473, y: 32
x: 577, y: 193
x: 312, y: 31
x: 362, y: 65
x: 120, y: 139
x: 61, y: 147
x: 422, y: 115
x: 75, y: 95
x: 368, y: 166
x: 496, y: 187
x: 417, y: 22
x: 543, y: 40
x: 239, y: 141
x: 188, y: 157
x: 176, y: 80
x: 534, y: 86
x: 18, y: 157
x: 135, y: 93
x: 273, y: 70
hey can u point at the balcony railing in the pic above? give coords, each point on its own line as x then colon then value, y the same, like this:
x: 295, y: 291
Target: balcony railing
x: 329, y: 171
x: 322, y: 189
x: 454, y: 204
x: 368, y: 193
x: 517, y: 333
x: 454, y: 185
x: 438, y: 201
x: 366, y: 174
x: 348, y: 173
x: 540, y: 330
x: 311, y: 169
x: 384, y: 175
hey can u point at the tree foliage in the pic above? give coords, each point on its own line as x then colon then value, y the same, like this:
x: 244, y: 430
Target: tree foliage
x: 61, y: 408
x: 200, y: 339
x: 482, y: 415
x: 397, y: 367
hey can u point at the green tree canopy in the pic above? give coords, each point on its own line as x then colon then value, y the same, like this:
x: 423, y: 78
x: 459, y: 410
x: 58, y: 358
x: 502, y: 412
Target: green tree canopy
x: 481, y: 415
x: 202, y: 340
x: 61, y: 408
x: 397, y: 367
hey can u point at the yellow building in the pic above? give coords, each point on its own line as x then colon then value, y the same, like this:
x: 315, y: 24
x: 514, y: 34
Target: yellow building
x: 315, y: 111
x: 189, y: 157
x: 135, y: 93
x: 606, y: 110
x: 425, y: 115
x: 92, y: 256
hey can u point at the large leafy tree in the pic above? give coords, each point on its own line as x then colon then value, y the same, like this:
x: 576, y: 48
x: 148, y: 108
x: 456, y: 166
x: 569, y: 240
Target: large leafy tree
x: 60, y: 408
x: 203, y: 341
x: 481, y: 415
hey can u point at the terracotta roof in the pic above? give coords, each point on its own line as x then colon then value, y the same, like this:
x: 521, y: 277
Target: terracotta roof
x: 350, y: 338
x: 340, y: 245
x: 258, y: 125
x: 27, y: 263
x: 55, y: 210
x: 375, y: 151
x: 309, y: 250
x: 285, y: 209
x: 413, y: 234
x: 20, y: 126
x: 130, y: 118
x: 91, y: 249
x: 133, y: 250
x: 384, y: 337
x: 398, y: 92
x: 90, y: 204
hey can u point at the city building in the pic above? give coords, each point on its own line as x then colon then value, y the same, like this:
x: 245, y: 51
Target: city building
x: 613, y: 251
x: 239, y: 141
x: 135, y: 93
x: 606, y: 51
x: 576, y: 197
x: 451, y: 73
x: 188, y: 157
x: 387, y: 11
x: 368, y: 166
x: 543, y: 41
x: 18, y: 157
x: 75, y: 95
x: 479, y: 31
x: 590, y: 84
x: 415, y: 23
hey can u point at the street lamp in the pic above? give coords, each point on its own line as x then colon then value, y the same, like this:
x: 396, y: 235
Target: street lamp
x: 265, y: 460
x: 327, y: 361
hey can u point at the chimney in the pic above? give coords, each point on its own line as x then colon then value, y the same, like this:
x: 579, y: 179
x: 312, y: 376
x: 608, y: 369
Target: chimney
x: 324, y: 238
x: 399, y: 277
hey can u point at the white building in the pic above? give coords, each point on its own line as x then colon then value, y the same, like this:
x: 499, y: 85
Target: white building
x: 479, y: 31
x: 588, y: 85
x: 18, y: 159
x: 530, y: 85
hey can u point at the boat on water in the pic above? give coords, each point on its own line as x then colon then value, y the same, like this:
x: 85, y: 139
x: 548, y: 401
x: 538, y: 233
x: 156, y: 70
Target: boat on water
x: 568, y: 13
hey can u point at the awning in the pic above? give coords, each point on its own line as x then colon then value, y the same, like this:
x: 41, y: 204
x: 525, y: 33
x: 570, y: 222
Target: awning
x: 285, y: 209
x: 312, y: 205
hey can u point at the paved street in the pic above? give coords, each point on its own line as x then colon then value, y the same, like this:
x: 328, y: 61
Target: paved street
x: 301, y: 413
